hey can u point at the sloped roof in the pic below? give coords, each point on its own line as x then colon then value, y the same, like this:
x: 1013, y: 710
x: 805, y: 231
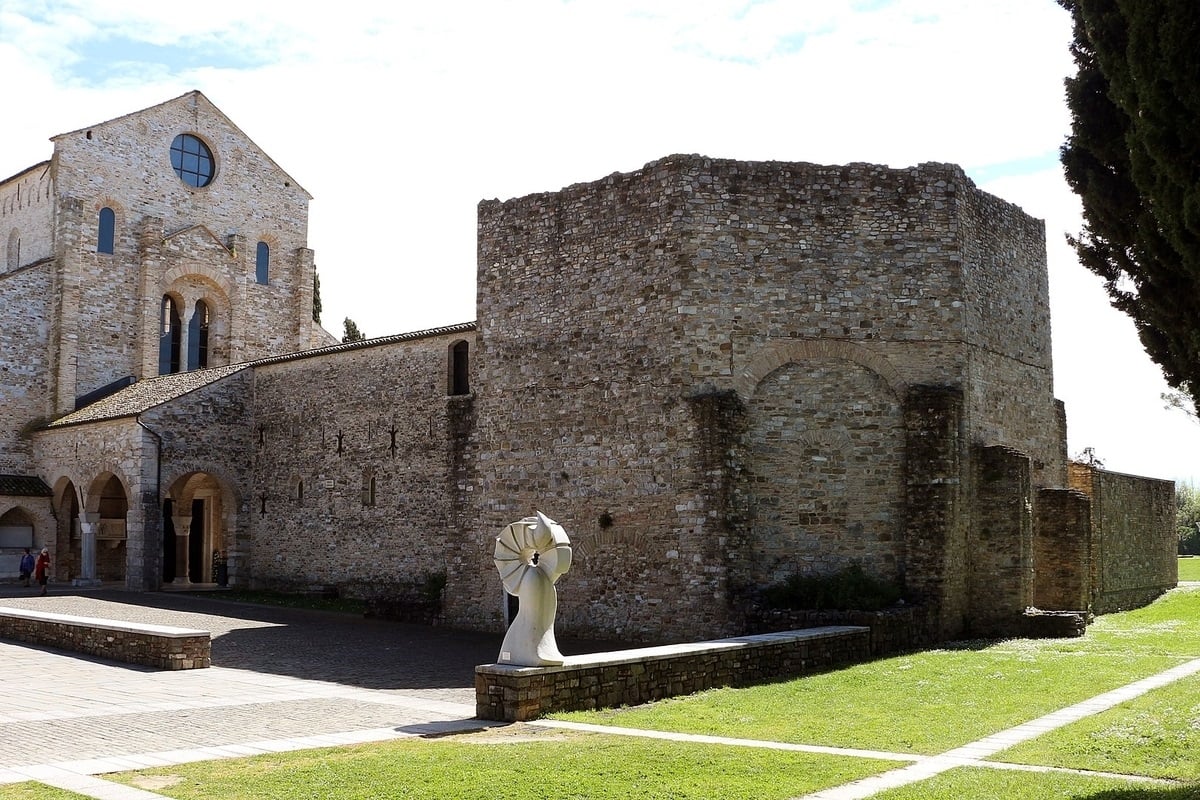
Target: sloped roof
x: 40, y: 164
x: 23, y: 486
x: 145, y: 395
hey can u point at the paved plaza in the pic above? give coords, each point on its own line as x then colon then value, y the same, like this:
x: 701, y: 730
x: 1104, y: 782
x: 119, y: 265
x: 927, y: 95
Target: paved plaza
x: 281, y: 679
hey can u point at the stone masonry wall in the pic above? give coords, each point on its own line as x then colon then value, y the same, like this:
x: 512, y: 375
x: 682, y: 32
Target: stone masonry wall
x: 1006, y: 300
x: 200, y: 243
x: 1000, y: 541
x: 356, y: 457
x: 634, y: 677
x: 24, y: 369
x: 936, y: 556
x: 26, y: 218
x: 585, y: 415
x: 95, y: 291
x: 209, y: 430
x: 157, y: 646
x: 1135, y: 542
x: 817, y: 294
x: 1063, y: 554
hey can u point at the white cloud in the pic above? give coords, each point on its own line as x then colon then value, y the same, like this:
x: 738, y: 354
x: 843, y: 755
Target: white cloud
x: 400, y: 117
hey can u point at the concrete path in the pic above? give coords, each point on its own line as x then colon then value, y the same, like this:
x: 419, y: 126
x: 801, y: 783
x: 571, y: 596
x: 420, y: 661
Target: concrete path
x: 286, y: 679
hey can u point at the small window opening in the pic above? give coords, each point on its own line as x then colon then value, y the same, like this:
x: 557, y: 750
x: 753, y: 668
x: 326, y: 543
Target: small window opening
x: 459, y: 368
x: 262, y: 263
x: 198, y: 337
x: 368, y: 488
x: 14, y: 249
x: 170, y: 338
x: 107, y: 232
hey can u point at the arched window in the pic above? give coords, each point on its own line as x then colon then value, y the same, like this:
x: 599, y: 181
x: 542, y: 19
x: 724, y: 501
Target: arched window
x: 170, y: 337
x: 262, y: 263
x: 459, y: 368
x: 198, y: 337
x: 368, y: 488
x: 13, y: 258
x: 16, y: 529
x: 108, y: 229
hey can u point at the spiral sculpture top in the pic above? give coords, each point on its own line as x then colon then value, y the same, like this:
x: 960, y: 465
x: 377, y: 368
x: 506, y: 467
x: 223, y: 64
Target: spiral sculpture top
x: 533, y: 544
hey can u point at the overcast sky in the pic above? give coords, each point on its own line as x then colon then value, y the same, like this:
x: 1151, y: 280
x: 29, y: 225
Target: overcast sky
x: 400, y: 117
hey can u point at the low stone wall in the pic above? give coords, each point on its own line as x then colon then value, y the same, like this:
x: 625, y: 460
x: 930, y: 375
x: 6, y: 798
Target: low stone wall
x: 632, y: 677
x: 158, y: 646
x: 893, y: 630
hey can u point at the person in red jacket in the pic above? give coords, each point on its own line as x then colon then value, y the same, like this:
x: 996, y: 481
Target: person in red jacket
x: 41, y: 570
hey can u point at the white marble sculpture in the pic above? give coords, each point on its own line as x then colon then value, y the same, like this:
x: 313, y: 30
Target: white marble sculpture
x: 531, y: 555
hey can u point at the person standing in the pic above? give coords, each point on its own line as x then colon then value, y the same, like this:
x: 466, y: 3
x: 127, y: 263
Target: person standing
x: 26, y: 567
x: 41, y: 570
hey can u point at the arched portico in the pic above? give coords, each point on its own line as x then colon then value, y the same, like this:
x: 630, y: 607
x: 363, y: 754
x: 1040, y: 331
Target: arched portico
x: 69, y: 532
x: 104, y: 531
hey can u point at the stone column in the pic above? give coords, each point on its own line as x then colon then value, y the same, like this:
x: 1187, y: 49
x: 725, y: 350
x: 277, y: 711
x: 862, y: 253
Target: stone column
x: 89, y: 526
x: 183, y: 527
x: 185, y: 336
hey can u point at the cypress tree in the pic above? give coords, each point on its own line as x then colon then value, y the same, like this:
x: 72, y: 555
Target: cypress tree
x: 1133, y: 157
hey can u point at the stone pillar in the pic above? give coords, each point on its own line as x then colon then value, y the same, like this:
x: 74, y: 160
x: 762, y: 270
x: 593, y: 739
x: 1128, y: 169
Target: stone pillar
x: 89, y: 527
x: 935, y: 546
x: 1000, y: 542
x: 185, y: 335
x: 1063, y: 557
x: 183, y: 527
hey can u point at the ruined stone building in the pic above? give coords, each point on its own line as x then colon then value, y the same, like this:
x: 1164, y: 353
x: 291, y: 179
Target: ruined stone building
x: 714, y: 374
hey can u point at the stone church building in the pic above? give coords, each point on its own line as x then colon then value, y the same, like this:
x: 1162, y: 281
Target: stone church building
x: 713, y: 374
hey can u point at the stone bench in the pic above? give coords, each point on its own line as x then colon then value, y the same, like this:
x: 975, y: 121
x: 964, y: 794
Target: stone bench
x: 161, y: 646
x: 633, y: 677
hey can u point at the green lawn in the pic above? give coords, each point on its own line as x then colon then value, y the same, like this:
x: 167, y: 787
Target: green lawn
x: 1189, y: 569
x: 976, y: 784
x: 570, y: 767
x: 921, y: 703
x: 37, y: 791
x: 924, y: 703
x: 1157, y: 734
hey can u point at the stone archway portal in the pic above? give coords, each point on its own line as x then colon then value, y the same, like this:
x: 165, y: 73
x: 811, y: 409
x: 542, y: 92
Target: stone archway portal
x: 187, y: 538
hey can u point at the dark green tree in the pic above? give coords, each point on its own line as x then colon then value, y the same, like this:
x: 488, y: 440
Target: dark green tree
x: 350, y: 331
x: 1133, y: 157
x: 316, y: 297
x: 1187, y: 518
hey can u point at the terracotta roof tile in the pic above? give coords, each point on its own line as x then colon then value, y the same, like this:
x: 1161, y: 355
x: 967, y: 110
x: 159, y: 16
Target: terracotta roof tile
x: 23, y: 486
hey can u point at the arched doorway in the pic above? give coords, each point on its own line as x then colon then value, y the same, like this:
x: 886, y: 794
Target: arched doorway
x: 69, y: 542
x: 194, y: 540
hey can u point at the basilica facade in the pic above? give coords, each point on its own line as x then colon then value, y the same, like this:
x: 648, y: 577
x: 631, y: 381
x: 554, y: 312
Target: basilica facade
x: 714, y: 374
